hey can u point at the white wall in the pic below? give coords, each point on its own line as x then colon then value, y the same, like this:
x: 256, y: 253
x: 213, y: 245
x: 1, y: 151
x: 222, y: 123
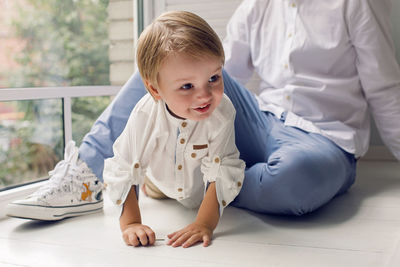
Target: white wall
x: 216, y: 13
x: 122, y: 38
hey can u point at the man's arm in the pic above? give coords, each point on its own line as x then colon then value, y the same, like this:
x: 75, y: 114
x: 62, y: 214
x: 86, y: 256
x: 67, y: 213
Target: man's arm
x: 379, y: 72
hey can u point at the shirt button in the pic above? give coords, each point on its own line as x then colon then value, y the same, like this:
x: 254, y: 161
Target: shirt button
x: 136, y: 165
x: 179, y: 167
x: 223, y: 203
x: 182, y: 141
x: 289, y: 35
x: 184, y: 124
x: 293, y: 4
x: 193, y: 155
x: 287, y: 97
x: 239, y: 184
x: 286, y: 66
x: 180, y: 189
x: 216, y: 160
x: 119, y: 202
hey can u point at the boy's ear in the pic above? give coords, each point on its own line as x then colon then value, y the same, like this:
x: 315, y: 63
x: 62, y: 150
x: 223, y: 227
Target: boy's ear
x: 152, y: 90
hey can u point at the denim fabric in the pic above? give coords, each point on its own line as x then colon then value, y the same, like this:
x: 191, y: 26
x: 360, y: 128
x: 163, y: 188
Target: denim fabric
x: 289, y: 171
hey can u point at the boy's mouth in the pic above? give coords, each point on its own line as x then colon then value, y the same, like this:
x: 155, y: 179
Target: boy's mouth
x: 203, y: 109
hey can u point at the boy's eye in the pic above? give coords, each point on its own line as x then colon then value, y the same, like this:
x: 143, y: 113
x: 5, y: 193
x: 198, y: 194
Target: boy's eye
x: 187, y: 86
x: 214, y: 79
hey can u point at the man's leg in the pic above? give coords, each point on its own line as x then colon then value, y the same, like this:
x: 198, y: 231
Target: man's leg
x: 288, y: 171
x: 73, y: 188
x: 97, y: 144
x: 303, y: 172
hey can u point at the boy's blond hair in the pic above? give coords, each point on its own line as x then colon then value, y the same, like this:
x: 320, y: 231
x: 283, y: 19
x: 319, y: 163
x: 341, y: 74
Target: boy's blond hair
x: 175, y: 32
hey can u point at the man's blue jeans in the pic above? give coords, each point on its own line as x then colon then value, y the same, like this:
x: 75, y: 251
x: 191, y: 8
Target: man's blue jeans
x: 288, y: 170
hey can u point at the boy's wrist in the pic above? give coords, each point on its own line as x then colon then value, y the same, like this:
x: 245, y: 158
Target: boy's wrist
x: 207, y: 224
x: 128, y: 218
x: 125, y: 225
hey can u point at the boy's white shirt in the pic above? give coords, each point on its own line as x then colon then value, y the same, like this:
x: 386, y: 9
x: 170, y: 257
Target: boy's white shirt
x: 156, y: 144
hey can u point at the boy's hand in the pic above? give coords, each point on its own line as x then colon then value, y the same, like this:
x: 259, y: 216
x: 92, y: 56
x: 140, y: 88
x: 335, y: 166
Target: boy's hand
x: 137, y: 234
x: 190, y: 235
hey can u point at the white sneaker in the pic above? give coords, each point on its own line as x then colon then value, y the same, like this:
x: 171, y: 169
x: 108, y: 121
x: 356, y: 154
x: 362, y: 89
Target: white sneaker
x: 72, y: 190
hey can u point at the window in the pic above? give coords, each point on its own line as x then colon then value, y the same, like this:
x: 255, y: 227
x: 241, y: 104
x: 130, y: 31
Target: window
x: 53, y: 54
x: 33, y: 131
x: 31, y: 139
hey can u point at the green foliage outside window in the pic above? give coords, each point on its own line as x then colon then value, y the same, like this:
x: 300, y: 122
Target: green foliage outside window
x: 66, y: 44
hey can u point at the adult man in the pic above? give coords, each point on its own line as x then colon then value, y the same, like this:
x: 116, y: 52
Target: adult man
x: 322, y: 64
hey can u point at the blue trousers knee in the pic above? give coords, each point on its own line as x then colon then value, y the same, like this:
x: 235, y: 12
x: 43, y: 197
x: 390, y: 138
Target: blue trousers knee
x: 289, y: 171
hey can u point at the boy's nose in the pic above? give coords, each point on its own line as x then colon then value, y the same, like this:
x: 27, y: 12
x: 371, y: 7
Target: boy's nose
x: 204, y: 92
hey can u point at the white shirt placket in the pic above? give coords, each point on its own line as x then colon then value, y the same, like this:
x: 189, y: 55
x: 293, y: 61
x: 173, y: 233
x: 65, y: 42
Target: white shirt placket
x: 289, y: 44
x: 180, y: 160
x: 290, y: 21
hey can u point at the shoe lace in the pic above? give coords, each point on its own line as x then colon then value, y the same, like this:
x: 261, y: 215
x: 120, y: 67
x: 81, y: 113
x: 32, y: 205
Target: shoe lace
x: 60, y: 177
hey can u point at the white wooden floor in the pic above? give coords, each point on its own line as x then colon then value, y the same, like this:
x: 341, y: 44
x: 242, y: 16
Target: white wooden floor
x: 360, y: 228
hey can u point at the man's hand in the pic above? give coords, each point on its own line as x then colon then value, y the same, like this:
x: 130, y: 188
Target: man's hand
x: 190, y: 235
x: 137, y: 234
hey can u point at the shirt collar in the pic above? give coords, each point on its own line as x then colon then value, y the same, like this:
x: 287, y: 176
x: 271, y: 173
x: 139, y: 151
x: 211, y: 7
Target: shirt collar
x: 172, y: 119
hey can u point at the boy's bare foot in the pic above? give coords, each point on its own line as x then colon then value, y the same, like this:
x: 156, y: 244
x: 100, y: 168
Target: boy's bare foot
x: 150, y: 190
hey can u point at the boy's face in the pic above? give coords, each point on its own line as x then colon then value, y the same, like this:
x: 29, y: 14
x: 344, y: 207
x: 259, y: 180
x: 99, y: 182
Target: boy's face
x: 192, y: 88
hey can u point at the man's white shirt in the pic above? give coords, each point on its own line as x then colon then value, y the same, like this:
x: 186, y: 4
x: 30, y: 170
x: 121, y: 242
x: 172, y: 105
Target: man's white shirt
x: 324, y: 63
x: 178, y: 156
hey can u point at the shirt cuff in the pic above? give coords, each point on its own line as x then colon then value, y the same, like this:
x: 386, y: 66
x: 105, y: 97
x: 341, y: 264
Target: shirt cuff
x: 119, y: 180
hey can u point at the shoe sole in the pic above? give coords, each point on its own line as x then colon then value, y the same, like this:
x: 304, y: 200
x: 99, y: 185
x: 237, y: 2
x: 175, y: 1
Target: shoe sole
x: 45, y: 213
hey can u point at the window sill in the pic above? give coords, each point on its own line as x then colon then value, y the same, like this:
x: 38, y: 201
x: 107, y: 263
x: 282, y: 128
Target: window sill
x: 10, y: 195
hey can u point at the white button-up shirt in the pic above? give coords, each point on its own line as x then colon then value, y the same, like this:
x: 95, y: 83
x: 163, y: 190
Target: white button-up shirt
x: 324, y: 63
x: 178, y: 156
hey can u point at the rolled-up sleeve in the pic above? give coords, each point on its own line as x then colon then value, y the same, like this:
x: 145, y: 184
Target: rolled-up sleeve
x: 223, y: 166
x: 127, y: 167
